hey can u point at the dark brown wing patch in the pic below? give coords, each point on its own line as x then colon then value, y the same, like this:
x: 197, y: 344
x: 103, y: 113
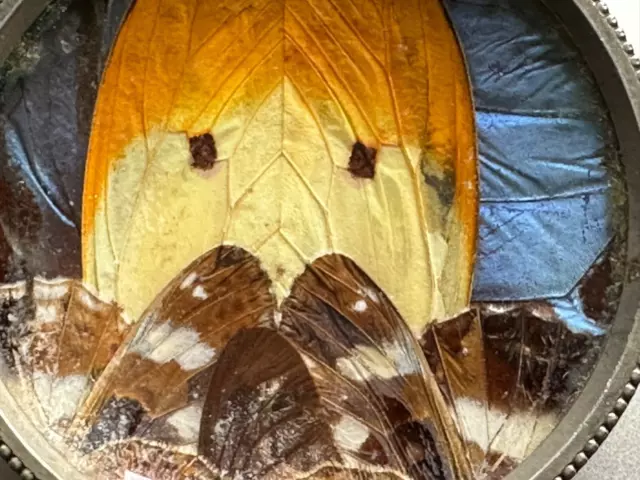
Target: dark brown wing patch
x: 362, y: 162
x: 505, y: 370
x: 203, y: 151
x: 262, y: 416
x: 183, y: 332
x: 370, y: 371
x: 456, y: 354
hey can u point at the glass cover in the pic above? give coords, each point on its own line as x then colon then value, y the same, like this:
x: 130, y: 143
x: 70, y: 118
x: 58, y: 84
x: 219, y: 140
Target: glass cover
x: 301, y: 239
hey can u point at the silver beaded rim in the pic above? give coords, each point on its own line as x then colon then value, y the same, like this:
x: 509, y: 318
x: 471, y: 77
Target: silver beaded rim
x: 621, y: 404
x: 627, y: 47
x: 15, y: 463
x: 593, y: 444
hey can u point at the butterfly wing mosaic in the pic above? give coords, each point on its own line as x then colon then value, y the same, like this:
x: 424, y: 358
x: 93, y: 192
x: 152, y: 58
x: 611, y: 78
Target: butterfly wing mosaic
x: 279, y: 223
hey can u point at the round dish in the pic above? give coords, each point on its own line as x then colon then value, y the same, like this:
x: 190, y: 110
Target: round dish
x: 605, y: 397
x: 569, y: 446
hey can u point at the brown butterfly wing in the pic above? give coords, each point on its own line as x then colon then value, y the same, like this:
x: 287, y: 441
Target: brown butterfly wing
x: 57, y: 337
x: 155, y: 461
x: 263, y: 417
x: 333, y: 473
x: 505, y: 369
x: 456, y: 353
x: 372, y: 376
x: 157, y: 370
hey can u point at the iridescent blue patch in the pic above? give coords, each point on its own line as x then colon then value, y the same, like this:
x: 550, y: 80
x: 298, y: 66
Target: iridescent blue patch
x: 545, y: 141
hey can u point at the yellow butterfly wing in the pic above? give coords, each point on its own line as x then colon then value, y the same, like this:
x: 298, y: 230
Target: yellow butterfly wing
x: 292, y: 129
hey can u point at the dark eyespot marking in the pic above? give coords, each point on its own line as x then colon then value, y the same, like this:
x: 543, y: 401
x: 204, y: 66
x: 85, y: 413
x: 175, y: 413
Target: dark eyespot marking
x: 203, y: 151
x: 362, y: 163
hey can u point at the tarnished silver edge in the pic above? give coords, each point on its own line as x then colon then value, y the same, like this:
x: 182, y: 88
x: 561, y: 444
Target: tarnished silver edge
x: 593, y: 444
x: 631, y: 387
x: 596, y: 411
x: 18, y: 18
x: 15, y: 463
x: 627, y: 47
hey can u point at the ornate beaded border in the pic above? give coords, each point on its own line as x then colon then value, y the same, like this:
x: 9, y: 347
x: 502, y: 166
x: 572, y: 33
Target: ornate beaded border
x: 593, y: 444
x: 603, y: 8
x: 15, y: 463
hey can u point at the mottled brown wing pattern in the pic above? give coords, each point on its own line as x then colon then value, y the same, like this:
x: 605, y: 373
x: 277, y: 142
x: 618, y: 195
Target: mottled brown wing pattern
x: 263, y: 417
x: 455, y: 351
x: 345, y: 361
x: 146, y: 459
x: 357, y: 396
x: 157, y: 372
x: 333, y: 473
x: 371, y: 373
x: 57, y: 338
x: 504, y: 368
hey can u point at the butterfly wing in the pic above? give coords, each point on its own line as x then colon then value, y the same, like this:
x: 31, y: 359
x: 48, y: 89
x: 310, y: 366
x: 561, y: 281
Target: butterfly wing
x: 156, y: 376
x: 290, y: 129
x: 506, y: 370
x: 137, y: 459
x: 371, y: 373
x: 262, y: 416
x: 265, y: 417
x: 456, y: 353
x: 44, y: 132
x: 57, y: 338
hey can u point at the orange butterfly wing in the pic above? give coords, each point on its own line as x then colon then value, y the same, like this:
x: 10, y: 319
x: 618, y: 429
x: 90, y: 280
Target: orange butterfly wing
x: 291, y: 129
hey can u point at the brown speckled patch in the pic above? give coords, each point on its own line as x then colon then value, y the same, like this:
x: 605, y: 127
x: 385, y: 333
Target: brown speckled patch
x: 147, y: 459
x: 203, y: 151
x: 362, y: 163
x: 594, y: 289
x: 117, y: 421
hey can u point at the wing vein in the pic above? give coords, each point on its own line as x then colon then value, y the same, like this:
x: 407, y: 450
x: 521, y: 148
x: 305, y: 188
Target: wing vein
x: 245, y: 79
x: 304, y: 180
x: 356, y: 32
x: 337, y: 75
x: 238, y: 64
x: 340, y: 44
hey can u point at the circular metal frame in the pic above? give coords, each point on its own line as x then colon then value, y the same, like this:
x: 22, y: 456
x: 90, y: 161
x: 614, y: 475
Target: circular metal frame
x: 598, y: 408
x: 617, y: 375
